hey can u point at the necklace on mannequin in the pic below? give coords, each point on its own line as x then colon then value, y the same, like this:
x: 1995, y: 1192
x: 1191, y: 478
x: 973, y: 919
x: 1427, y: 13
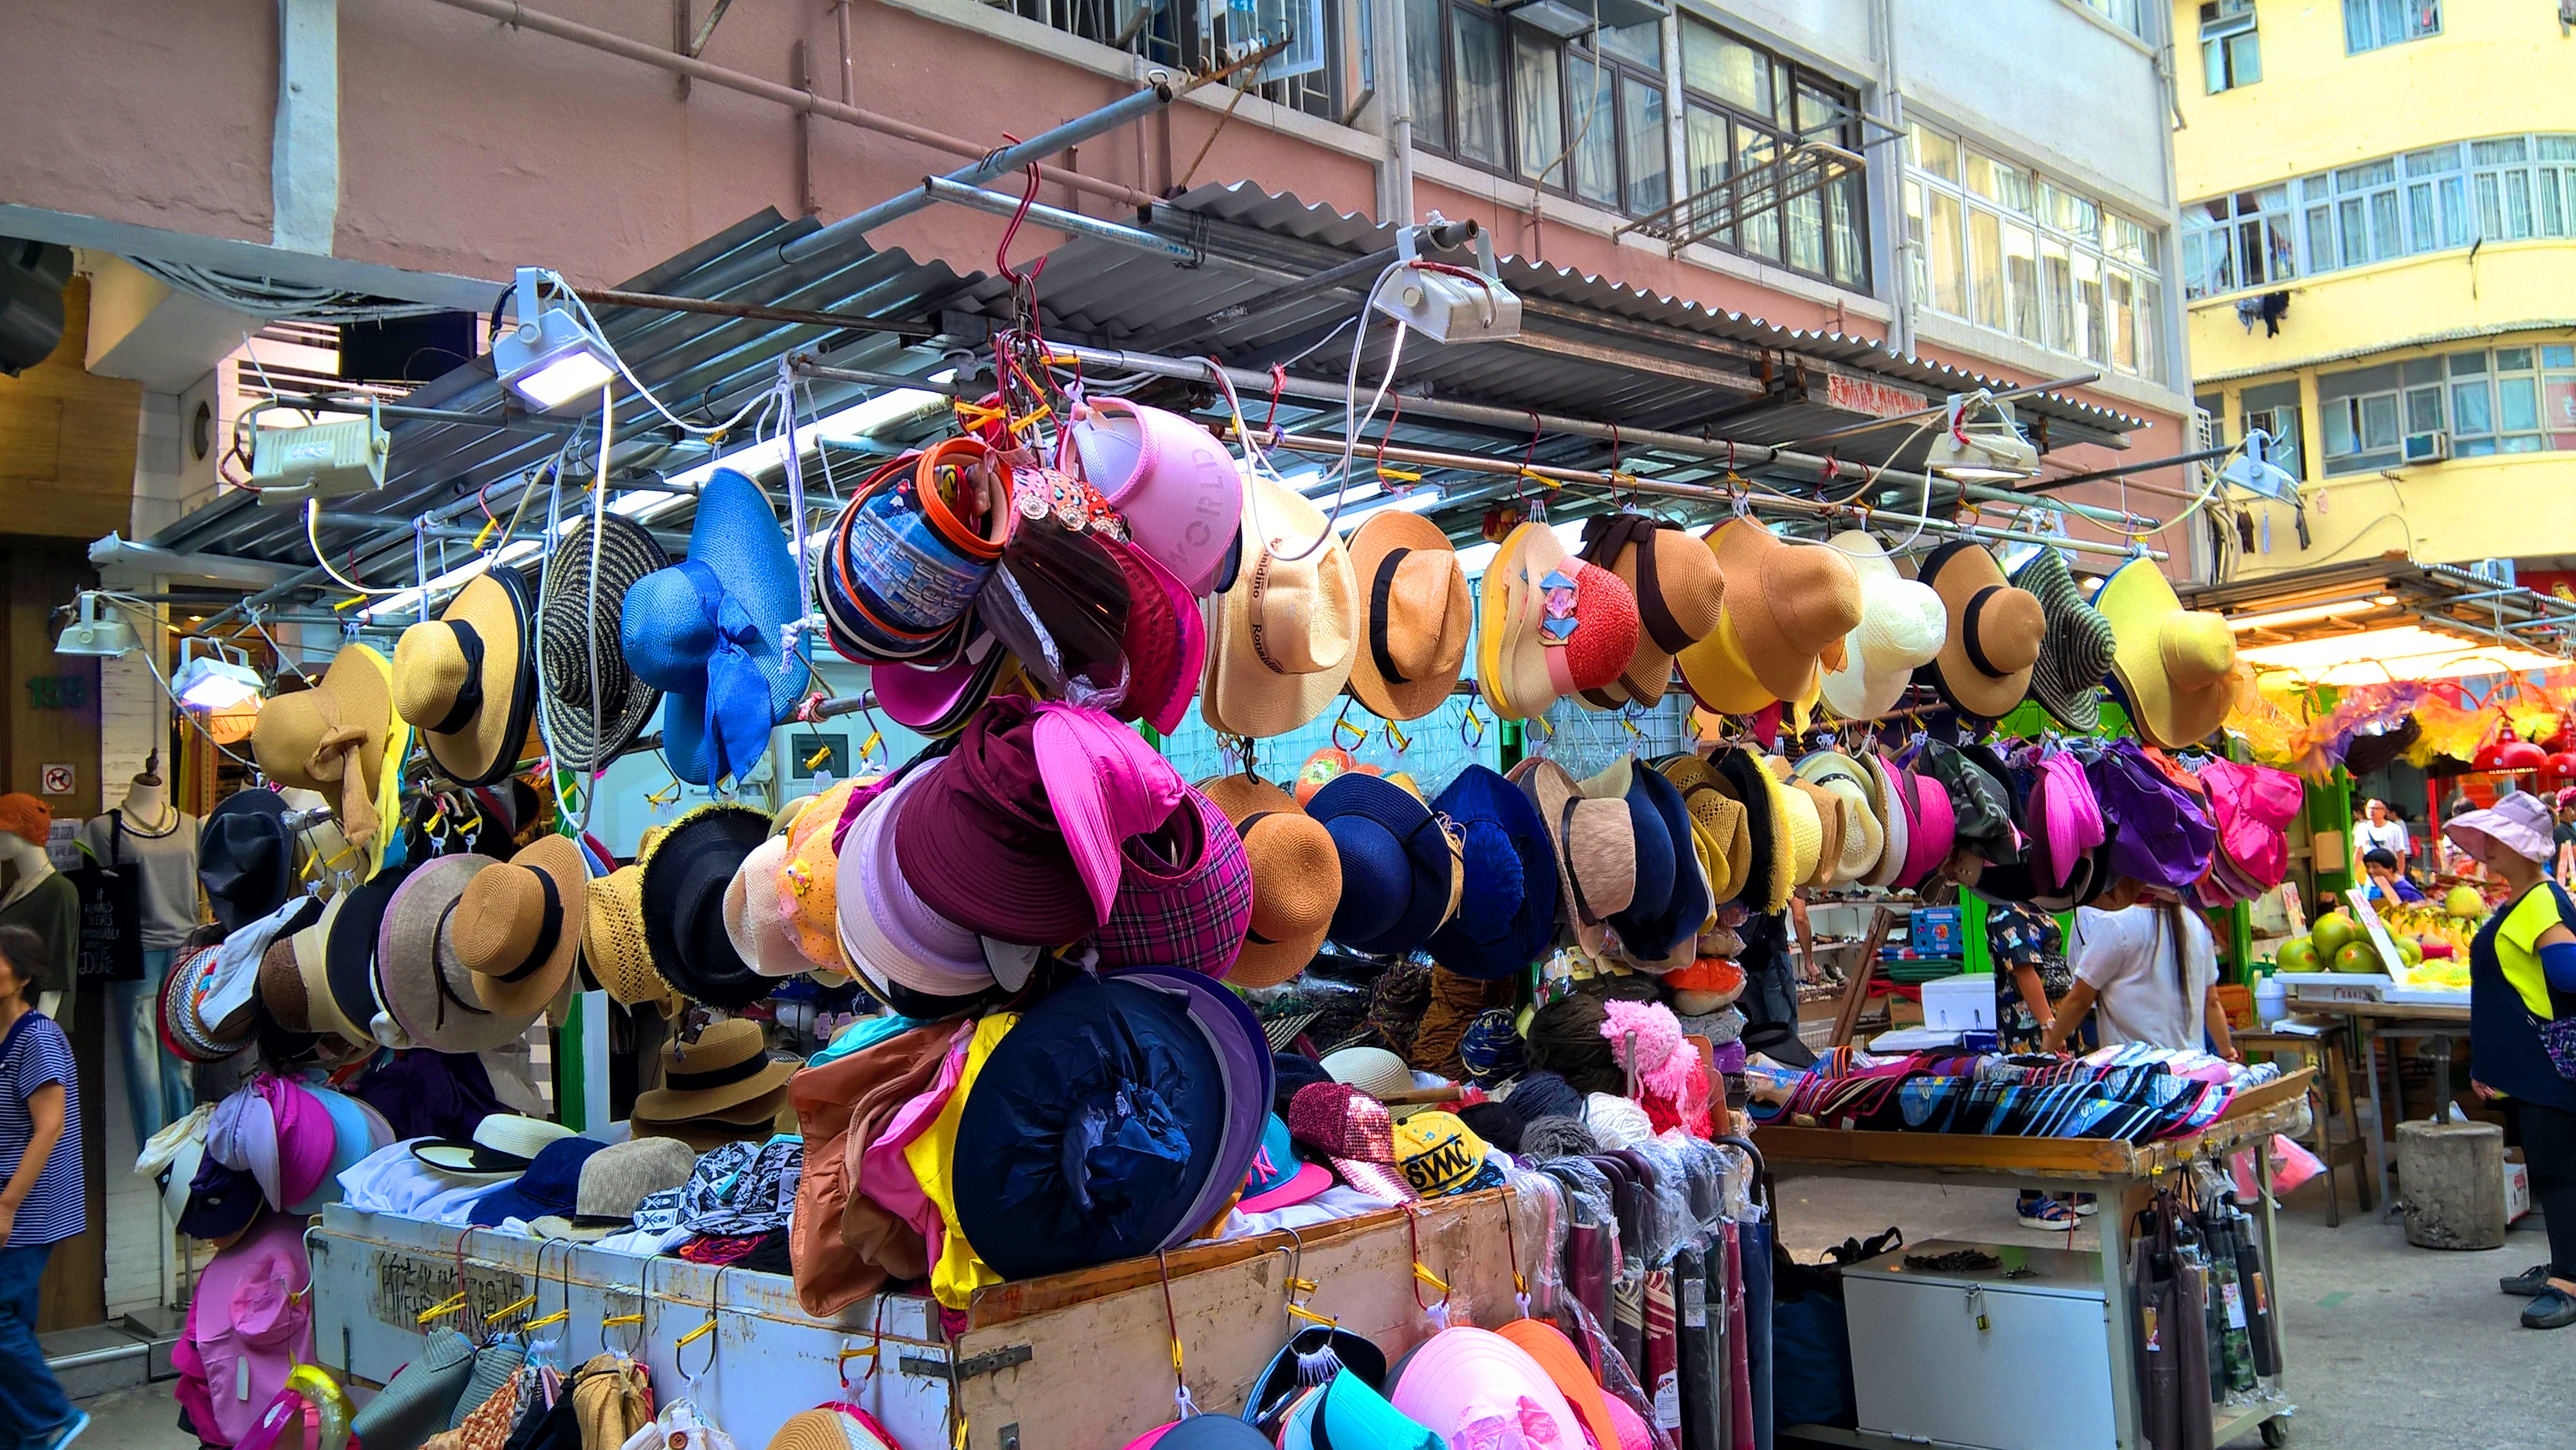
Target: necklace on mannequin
x: 147, y: 810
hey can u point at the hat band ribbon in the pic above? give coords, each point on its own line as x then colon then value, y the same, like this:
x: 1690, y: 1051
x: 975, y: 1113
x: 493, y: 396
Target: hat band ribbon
x: 1381, y: 589
x: 716, y: 1077
x: 1565, y: 832
x: 1968, y: 636
x: 549, y: 931
x: 1243, y: 831
x: 737, y: 704
x: 469, y: 696
x: 438, y: 972
x: 1602, y: 541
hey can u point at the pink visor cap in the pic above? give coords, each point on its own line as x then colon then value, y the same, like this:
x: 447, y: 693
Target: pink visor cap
x: 1105, y: 785
x: 2070, y: 816
x: 1175, y: 485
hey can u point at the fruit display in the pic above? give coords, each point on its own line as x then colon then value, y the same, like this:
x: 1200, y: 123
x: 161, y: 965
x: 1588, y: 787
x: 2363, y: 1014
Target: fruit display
x: 2432, y: 942
x: 2463, y: 900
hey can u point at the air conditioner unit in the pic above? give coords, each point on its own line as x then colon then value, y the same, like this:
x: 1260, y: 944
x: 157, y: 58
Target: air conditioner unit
x: 2428, y: 447
x: 1569, y: 18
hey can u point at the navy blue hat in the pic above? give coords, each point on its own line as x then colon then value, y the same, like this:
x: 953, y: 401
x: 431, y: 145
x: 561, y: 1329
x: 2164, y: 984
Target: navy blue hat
x: 1654, y: 936
x: 1290, y: 1071
x: 551, y: 1184
x: 246, y: 857
x: 1398, y: 869
x: 221, y: 1201
x: 1090, y: 1130
x: 1507, y: 906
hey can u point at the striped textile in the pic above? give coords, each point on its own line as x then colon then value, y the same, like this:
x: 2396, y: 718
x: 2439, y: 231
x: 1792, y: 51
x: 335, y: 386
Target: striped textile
x: 34, y: 1054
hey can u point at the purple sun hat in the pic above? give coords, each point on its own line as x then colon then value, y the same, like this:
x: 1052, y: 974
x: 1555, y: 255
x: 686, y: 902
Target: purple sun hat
x: 2156, y: 834
x: 2519, y: 819
x: 1234, y: 1033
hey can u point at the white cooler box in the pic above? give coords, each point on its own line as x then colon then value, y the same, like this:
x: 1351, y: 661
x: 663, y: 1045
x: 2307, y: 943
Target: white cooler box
x: 1960, y: 1004
x: 2036, y: 1376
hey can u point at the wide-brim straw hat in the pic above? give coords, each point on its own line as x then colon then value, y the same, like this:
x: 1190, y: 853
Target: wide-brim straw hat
x: 1679, y: 589
x: 1829, y: 823
x: 1283, y: 635
x: 1416, y: 617
x: 1720, y: 822
x: 431, y: 996
x: 1502, y: 595
x: 1902, y: 627
x: 738, y: 571
x: 311, y: 739
x: 588, y: 724
x: 1516, y: 619
x: 1595, y: 842
x: 1790, y: 605
x: 1985, y: 665
x: 728, y: 1066
x: 1296, y: 878
x: 313, y: 966
x: 1887, y: 802
x: 2077, y: 650
x: 1863, y: 839
x: 1769, y: 876
x: 518, y: 926
x: 686, y: 871
x: 467, y: 679
x: 613, y: 949
x: 2175, y: 667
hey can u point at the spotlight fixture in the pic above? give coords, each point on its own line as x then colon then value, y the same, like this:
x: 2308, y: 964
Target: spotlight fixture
x: 1445, y: 302
x: 1980, y: 452
x: 550, y: 358
x: 2255, y: 473
x: 211, y: 681
x: 93, y: 635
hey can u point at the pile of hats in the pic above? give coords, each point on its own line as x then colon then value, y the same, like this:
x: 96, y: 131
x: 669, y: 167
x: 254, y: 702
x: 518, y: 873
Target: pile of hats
x: 274, y: 1144
x: 722, y: 1088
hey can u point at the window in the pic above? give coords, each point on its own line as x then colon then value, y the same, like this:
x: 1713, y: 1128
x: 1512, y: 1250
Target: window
x: 2008, y: 249
x: 2129, y: 15
x: 1556, y: 113
x: 1201, y: 35
x: 2519, y: 398
x: 2501, y: 189
x: 1745, y: 108
x: 2231, y: 54
x: 2371, y: 24
x: 2274, y: 408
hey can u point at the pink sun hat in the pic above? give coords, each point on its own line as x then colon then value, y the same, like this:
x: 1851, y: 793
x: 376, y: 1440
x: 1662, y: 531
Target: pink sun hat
x: 1931, y: 826
x: 1105, y: 785
x: 891, y: 930
x: 934, y: 701
x: 1175, y: 485
x: 2070, y: 814
x: 1474, y: 1387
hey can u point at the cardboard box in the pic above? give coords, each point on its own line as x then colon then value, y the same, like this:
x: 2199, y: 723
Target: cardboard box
x: 2517, y: 1185
x: 1960, y: 1004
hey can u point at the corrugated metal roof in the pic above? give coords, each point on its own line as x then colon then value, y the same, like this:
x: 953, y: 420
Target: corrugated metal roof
x: 1650, y: 361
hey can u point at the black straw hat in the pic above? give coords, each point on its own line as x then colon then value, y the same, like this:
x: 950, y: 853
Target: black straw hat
x: 577, y: 622
x: 350, y: 953
x: 246, y: 857
x: 685, y: 874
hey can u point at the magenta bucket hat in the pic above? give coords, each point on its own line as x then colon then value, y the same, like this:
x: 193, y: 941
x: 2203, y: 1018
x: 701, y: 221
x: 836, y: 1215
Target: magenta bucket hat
x: 2254, y: 805
x: 1184, y: 895
x: 1175, y: 485
x: 2069, y: 818
x: 1931, y: 826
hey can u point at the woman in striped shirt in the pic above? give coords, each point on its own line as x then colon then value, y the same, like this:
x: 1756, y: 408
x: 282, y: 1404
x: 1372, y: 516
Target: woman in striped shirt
x: 41, y: 1200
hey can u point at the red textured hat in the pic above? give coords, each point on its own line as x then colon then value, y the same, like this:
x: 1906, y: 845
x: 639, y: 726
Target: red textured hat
x: 1590, y: 626
x: 1165, y: 644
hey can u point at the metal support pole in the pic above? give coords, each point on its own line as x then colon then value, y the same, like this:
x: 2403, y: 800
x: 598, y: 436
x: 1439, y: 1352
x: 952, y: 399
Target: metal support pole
x: 1874, y: 424
x: 1522, y: 421
x: 940, y: 188
x: 1000, y: 163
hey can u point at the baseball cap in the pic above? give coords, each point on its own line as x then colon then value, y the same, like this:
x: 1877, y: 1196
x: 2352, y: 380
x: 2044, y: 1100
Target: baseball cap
x: 1442, y: 1155
x: 1352, y: 1131
x: 550, y: 1185
x: 221, y: 1201
x: 1278, y: 1178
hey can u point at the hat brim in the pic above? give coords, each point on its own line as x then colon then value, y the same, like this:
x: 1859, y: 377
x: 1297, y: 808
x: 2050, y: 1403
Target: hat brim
x: 469, y: 1160
x: 1309, y: 1179
x: 1432, y: 863
x: 1241, y: 695
x: 569, y: 610
x: 1380, y: 535
x: 1959, y: 572
x: 685, y: 872
x: 1479, y: 794
x: 1496, y: 599
x: 412, y: 953
x: 1523, y: 651
x: 672, y: 1105
x: 1693, y: 775
x: 560, y: 858
x: 1268, y: 963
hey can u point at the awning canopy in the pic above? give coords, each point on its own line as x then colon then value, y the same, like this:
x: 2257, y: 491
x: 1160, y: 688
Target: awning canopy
x: 2378, y: 621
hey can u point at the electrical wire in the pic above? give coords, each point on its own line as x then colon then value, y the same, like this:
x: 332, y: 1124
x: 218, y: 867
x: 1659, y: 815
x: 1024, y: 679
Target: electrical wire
x: 598, y: 334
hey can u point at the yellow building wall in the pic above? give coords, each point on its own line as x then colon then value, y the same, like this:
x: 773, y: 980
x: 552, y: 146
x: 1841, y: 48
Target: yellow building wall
x: 2498, y: 67
x: 2441, y: 513
x: 2433, y: 298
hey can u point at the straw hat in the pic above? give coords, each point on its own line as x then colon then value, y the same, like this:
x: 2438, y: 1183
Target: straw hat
x: 2175, y: 666
x: 281, y: 985
x: 430, y: 996
x: 1723, y: 827
x: 1984, y: 666
x: 1679, y: 591
x: 1864, y: 839
x: 1887, y: 803
x: 1798, y: 833
x: 308, y: 740
x: 1285, y: 632
x: 313, y: 965
x: 755, y: 913
x: 2077, y: 650
x: 727, y: 1067
x: 465, y: 679
x: 517, y: 926
x: 577, y: 625
x: 1788, y: 609
x: 1505, y: 603
x: 686, y: 872
x: 1296, y: 878
x: 1829, y: 824
x: 1902, y: 627
x: 1415, y: 615
x: 1596, y: 848
x: 613, y: 948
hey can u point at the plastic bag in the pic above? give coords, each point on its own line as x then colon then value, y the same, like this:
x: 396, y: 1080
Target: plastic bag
x: 2292, y: 1165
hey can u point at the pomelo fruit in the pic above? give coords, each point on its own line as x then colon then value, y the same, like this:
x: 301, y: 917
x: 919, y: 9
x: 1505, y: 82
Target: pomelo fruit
x: 2298, y: 954
x: 2358, y: 956
x: 2334, y: 932
x: 2464, y: 901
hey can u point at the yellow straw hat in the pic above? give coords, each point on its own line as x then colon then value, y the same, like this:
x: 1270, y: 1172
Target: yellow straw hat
x: 1802, y: 828
x: 1719, y: 822
x: 1502, y: 591
x: 612, y: 941
x: 2175, y: 667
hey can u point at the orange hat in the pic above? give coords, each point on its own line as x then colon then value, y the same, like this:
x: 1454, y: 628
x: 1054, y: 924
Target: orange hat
x: 1706, y: 974
x: 1557, y: 1355
x: 810, y: 879
x: 27, y: 816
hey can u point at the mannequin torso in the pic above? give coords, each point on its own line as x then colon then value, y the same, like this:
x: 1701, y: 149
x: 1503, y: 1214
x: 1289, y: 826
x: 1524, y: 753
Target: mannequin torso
x: 29, y: 861
x: 147, y: 807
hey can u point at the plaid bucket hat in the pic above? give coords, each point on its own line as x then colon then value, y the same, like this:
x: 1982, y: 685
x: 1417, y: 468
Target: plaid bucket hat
x: 1184, y: 894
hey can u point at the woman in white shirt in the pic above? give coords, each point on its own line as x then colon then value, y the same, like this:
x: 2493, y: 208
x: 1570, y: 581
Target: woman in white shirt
x: 2148, y: 969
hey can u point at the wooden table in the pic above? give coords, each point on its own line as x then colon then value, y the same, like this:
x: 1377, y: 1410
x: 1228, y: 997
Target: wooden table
x: 2395, y: 1021
x: 2119, y: 1172
x: 2327, y: 1050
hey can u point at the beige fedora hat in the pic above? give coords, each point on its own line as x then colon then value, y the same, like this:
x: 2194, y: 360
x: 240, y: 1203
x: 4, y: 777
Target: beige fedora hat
x: 1281, y: 639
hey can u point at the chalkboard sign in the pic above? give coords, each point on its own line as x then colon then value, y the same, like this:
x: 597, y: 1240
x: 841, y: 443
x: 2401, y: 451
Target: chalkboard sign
x: 111, y: 914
